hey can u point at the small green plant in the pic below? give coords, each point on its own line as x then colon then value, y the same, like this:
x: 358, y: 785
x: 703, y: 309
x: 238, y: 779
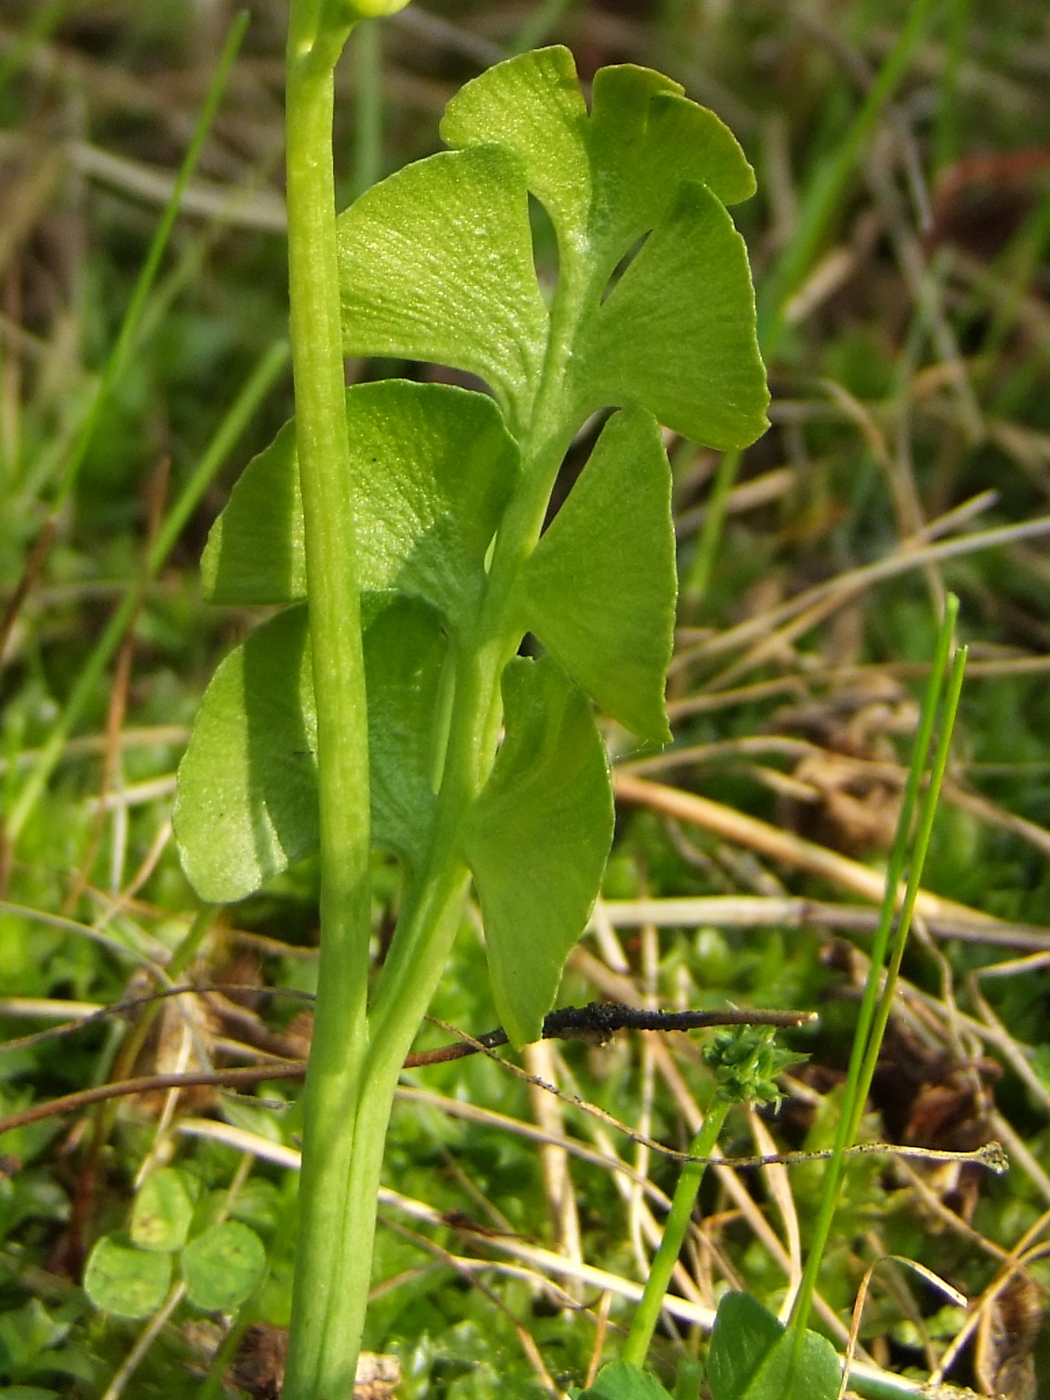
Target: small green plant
x: 752, y: 1353
x: 221, y: 1262
x: 401, y: 526
x: 745, y: 1064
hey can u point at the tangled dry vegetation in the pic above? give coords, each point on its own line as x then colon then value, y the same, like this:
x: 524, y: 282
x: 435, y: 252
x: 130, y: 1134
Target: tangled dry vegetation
x: 905, y: 242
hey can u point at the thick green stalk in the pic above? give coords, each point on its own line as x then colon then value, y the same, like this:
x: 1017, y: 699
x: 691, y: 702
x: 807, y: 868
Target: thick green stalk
x: 417, y: 958
x: 483, y: 654
x: 648, y: 1313
x: 435, y: 922
x: 323, y: 1351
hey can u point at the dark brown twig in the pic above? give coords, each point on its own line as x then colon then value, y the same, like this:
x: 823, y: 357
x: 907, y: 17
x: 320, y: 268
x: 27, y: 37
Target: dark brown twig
x: 596, y: 1021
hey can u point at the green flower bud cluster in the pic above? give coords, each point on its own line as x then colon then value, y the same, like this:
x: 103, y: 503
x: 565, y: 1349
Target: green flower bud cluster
x: 745, y: 1061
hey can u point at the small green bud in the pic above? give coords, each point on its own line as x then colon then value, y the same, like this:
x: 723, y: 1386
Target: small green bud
x: 745, y: 1062
x: 341, y: 12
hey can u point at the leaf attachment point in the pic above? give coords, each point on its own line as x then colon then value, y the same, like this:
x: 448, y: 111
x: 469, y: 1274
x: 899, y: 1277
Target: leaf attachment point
x: 599, y: 588
x: 436, y: 264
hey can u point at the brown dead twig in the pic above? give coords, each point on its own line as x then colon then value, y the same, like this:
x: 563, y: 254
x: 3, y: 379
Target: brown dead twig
x: 595, y: 1022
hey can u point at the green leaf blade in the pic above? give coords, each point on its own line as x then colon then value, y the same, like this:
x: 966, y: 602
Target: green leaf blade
x: 533, y: 105
x: 622, y: 1381
x: 752, y: 1357
x: 816, y: 1376
x: 161, y: 1215
x: 255, y: 552
x: 599, y: 588
x: 124, y: 1280
x: 223, y: 1266
x: 405, y: 655
x: 677, y: 336
x: 607, y: 179
x: 433, y: 467
x: 536, y: 839
x: 435, y: 263
x: 246, y: 806
x: 646, y: 139
x: 744, y: 1335
x: 247, y: 803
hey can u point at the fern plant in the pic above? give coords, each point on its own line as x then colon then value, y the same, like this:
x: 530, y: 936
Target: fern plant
x: 400, y: 527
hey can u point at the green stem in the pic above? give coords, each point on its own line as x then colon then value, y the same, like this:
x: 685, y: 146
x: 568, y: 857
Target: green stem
x: 358, y: 1052
x: 368, y: 64
x: 323, y: 1349
x: 414, y: 964
x: 476, y: 710
x: 854, y: 1108
x: 946, y: 131
x: 922, y: 844
x: 648, y: 1314
x: 418, y: 951
x: 431, y: 915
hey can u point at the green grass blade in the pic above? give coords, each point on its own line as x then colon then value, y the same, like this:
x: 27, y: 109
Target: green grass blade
x: 696, y: 584
x: 222, y: 444
x: 538, y: 26
x: 133, y: 315
x: 828, y: 185
x: 854, y: 1094
x: 946, y: 133
x: 899, y: 855
x: 921, y: 845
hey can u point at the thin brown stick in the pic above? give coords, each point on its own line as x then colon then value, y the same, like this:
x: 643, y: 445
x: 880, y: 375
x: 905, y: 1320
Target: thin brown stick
x: 990, y: 1154
x: 149, y: 1083
x: 783, y: 846
x: 562, y: 1026
x: 787, y: 746
x: 847, y: 585
x: 803, y: 684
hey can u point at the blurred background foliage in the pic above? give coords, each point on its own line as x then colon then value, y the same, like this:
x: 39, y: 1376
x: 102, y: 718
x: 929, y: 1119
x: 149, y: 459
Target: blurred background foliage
x: 900, y: 245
